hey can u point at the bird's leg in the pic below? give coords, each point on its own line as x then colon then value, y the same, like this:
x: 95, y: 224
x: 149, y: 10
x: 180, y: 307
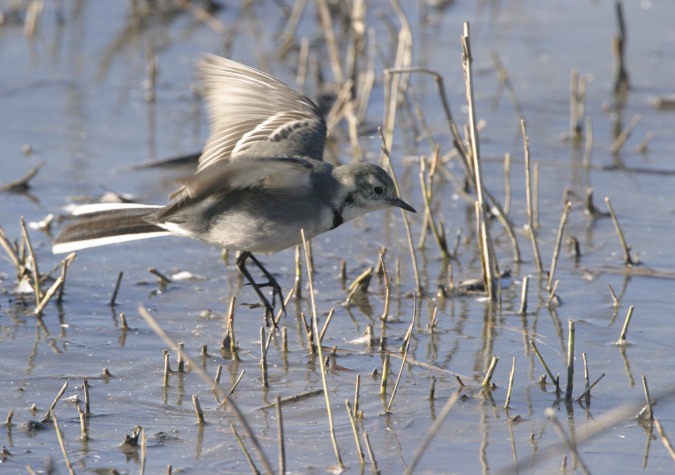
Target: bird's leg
x: 271, y: 282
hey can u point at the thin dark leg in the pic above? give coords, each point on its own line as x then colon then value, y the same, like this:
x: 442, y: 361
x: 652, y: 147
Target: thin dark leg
x: 271, y: 282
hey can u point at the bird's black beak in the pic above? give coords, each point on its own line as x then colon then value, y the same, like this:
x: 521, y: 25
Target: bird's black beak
x: 399, y: 203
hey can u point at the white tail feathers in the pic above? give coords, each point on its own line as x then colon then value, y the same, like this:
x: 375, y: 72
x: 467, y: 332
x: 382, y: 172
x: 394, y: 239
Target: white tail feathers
x: 100, y: 224
x: 64, y: 247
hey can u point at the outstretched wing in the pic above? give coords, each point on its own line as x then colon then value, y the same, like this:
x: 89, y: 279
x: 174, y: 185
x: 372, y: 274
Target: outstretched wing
x: 253, y: 115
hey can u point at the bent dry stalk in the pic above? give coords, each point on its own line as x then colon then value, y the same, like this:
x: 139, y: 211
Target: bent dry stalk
x: 315, y: 331
x: 624, y: 329
x: 431, y: 433
x: 558, y: 243
x: 59, y: 436
x: 553, y: 379
x: 628, y: 260
x: 118, y: 283
x: 490, y: 372
x: 523, y: 296
x: 357, y: 441
x: 207, y: 379
x: 32, y: 260
x: 488, y: 257
x: 405, y: 356
x: 512, y: 376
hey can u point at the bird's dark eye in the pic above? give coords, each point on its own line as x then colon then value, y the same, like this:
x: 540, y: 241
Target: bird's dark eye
x: 378, y: 190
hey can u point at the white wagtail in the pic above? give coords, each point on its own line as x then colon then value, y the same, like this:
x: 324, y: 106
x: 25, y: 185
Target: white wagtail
x: 261, y: 178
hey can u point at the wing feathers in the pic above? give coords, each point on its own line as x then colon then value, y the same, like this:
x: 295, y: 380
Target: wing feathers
x: 252, y: 114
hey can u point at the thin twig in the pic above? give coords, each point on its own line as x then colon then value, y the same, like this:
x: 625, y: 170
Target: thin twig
x: 59, y: 436
x: 571, y: 446
x: 247, y: 455
x: 65, y: 263
x: 236, y: 383
x: 464, y: 154
x: 163, y: 280
x: 352, y: 422
x: 642, y: 147
x: 530, y: 227
x: 385, y: 375
x: 334, y: 54
x: 406, y: 223
x: 616, y: 302
x: 512, y: 376
x: 625, y: 134
x: 58, y: 283
x: 553, y: 295
x: 230, y: 340
x: 650, y: 406
x: 207, y: 379
x: 535, y: 194
x: 588, y: 390
x: 620, y: 415
x: 198, y: 409
x: 56, y: 400
x: 32, y: 260
x: 371, y: 455
x: 488, y: 259
x: 664, y: 439
x: 387, y: 290
x: 167, y: 368
x: 553, y: 379
x: 405, y: 355
x: 85, y: 391
x: 84, y: 430
x: 558, y: 243
x: 588, y: 145
x: 357, y: 390
x: 315, y: 326
x: 437, y: 231
x: 11, y: 252
x: 117, y: 288
x: 490, y: 372
x: 523, y: 296
x: 144, y: 447
x: 624, y: 329
x: 280, y: 436
x: 570, y: 361
x: 325, y: 324
x: 295, y: 398
x: 431, y: 433
x: 626, y: 248
x: 263, y: 358
x: 587, y: 378
x: 22, y: 184
x: 297, y: 286
x: 503, y: 77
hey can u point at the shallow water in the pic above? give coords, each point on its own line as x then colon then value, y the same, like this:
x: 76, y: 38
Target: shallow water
x: 75, y: 95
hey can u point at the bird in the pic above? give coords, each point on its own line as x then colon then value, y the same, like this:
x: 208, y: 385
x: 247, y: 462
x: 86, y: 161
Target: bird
x: 260, y: 179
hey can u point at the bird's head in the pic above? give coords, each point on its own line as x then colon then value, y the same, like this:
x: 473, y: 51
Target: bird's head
x: 365, y: 188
